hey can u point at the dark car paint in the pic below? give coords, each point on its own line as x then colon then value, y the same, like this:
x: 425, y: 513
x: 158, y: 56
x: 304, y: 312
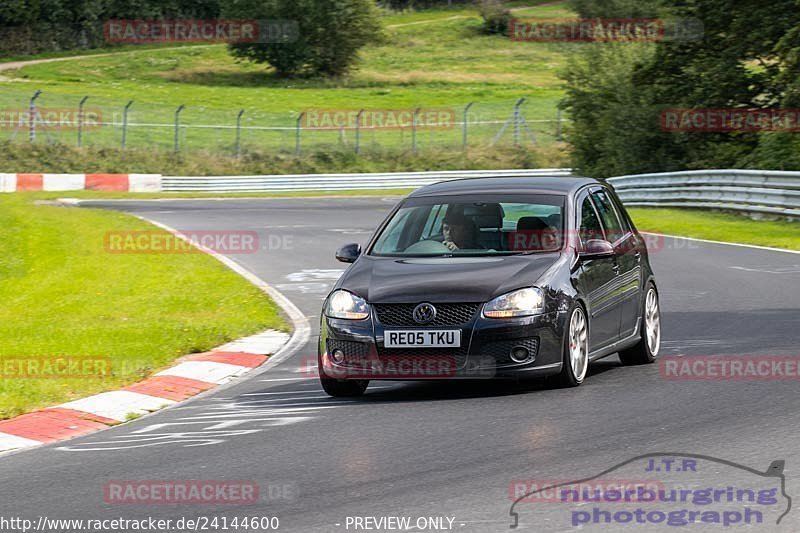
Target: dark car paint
x: 565, y: 277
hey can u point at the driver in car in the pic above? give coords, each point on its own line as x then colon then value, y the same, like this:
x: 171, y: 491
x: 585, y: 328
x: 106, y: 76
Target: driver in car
x: 459, y: 232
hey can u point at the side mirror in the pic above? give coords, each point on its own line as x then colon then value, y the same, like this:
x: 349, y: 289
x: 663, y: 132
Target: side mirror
x: 597, y: 249
x: 348, y: 253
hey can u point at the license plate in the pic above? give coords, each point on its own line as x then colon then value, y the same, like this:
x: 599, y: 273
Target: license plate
x: 428, y: 338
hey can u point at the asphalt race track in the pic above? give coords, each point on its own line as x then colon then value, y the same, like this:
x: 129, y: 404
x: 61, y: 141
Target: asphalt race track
x: 432, y: 450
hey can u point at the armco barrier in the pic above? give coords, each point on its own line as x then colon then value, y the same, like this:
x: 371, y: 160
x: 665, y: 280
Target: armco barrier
x: 311, y: 182
x: 751, y: 191
x: 269, y: 183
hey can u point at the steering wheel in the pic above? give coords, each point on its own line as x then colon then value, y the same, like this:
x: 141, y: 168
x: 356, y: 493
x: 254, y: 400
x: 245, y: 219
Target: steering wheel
x: 427, y: 247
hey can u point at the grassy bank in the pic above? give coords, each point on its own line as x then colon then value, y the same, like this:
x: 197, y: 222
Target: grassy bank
x: 434, y: 59
x: 63, y: 294
x: 59, y: 158
x: 718, y: 226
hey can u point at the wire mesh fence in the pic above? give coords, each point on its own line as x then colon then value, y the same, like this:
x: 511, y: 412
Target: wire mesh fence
x: 52, y: 117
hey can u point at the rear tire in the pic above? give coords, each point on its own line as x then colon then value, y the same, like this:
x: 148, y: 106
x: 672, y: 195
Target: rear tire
x: 646, y: 350
x: 575, y: 362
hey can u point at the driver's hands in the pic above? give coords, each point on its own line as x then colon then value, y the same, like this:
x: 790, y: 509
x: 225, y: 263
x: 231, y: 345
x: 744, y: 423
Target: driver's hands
x: 451, y: 245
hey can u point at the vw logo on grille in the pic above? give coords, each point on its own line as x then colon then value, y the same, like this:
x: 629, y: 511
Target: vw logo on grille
x: 424, y: 313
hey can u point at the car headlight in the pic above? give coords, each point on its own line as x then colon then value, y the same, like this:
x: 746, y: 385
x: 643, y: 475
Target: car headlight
x: 343, y: 304
x: 523, y: 302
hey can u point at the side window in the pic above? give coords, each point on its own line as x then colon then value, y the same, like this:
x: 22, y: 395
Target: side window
x: 627, y: 223
x: 590, y: 224
x: 609, y: 215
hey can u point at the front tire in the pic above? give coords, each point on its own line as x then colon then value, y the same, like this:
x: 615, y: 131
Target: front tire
x: 646, y: 350
x: 576, y: 349
x: 339, y: 388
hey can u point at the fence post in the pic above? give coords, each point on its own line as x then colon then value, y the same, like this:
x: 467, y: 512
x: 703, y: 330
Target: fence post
x: 125, y: 123
x: 358, y: 131
x: 297, y: 132
x: 414, y: 130
x: 517, y: 120
x: 80, y: 120
x: 239, y: 133
x: 32, y: 117
x: 177, y: 127
x: 464, y: 126
x: 558, y: 124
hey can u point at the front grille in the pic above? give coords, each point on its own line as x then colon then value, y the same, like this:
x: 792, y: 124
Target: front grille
x: 424, y: 352
x: 446, y: 314
x: 501, y: 350
x: 457, y: 355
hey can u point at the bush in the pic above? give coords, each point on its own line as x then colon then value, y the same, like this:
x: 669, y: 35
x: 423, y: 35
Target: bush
x: 325, y: 41
x: 496, y: 16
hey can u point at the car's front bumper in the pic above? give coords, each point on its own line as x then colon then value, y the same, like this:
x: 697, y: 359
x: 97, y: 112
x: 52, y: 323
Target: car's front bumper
x: 485, y: 350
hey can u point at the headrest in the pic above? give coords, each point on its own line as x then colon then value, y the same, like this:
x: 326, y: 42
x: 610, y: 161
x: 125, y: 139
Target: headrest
x: 531, y: 223
x: 485, y: 215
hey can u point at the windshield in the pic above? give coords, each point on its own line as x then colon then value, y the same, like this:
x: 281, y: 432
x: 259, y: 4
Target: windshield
x: 474, y: 226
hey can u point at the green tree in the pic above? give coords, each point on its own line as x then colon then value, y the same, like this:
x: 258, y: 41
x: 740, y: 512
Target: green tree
x: 327, y: 37
x: 742, y: 60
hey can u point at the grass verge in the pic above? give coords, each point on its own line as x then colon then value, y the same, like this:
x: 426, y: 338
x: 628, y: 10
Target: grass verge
x: 62, y: 294
x: 432, y: 59
x: 718, y: 226
x: 60, y: 158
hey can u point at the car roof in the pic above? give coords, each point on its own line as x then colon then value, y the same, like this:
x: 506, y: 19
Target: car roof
x: 538, y: 184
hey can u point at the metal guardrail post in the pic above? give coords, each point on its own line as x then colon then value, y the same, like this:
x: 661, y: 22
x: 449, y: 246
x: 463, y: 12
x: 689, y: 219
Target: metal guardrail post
x: 80, y: 120
x: 32, y: 116
x: 517, y: 120
x: 177, y: 147
x: 125, y: 123
x: 298, y: 129
x: 465, y: 125
x: 358, y: 131
x: 558, y: 124
x: 239, y: 133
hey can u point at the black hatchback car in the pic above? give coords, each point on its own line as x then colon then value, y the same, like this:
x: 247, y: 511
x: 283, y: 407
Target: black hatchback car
x: 492, y: 277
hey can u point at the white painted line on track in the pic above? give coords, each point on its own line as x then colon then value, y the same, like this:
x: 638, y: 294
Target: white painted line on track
x: 739, y: 245
x: 302, y: 327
